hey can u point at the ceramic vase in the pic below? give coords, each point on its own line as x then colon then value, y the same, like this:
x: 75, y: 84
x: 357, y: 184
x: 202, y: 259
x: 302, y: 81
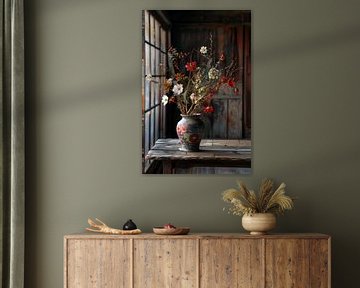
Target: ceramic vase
x: 190, y: 130
x: 259, y: 223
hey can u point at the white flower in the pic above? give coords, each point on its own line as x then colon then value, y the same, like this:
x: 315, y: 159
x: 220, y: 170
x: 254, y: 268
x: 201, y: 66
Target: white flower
x: 164, y: 100
x: 169, y: 81
x: 178, y: 89
x: 148, y: 77
x: 203, y: 50
x: 213, y: 73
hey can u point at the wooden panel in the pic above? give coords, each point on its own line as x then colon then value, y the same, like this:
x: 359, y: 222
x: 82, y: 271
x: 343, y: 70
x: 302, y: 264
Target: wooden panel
x: 234, y: 119
x: 101, y: 263
x: 220, y: 118
x: 147, y: 72
x: 163, y: 39
x: 247, y: 82
x: 227, y: 118
x: 319, y: 263
x: 231, y: 263
x: 157, y: 122
x: 287, y: 263
x: 241, y: 45
x: 146, y: 25
x: 147, y: 132
x: 153, y: 62
x: 165, y: 263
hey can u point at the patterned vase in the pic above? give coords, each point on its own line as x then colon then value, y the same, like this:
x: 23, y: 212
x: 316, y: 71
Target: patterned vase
x: 190, y: 130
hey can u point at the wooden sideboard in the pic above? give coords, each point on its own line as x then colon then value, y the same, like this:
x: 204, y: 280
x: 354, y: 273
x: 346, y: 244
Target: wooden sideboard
x: 197, y: 260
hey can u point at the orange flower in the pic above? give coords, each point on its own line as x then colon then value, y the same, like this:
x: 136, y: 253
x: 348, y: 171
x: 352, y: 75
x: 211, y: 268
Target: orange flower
x: 179, y: 76
x: 167, y: 86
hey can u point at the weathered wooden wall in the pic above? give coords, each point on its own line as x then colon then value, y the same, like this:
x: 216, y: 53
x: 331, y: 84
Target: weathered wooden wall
x: 232, y: 36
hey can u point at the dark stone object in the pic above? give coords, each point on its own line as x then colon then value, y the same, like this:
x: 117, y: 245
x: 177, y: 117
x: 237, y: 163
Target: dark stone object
x: 129, y: 225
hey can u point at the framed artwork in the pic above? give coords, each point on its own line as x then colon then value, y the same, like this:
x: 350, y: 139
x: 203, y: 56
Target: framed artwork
x: 196, y: 92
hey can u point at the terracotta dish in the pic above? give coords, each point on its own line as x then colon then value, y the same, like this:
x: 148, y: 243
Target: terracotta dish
x: 171, y: 231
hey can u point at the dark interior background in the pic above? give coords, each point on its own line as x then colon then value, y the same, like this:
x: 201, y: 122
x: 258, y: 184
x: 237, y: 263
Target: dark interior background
x: 225, y: 32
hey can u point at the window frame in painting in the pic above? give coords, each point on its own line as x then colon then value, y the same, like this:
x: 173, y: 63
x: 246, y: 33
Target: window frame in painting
x: 155, y: 32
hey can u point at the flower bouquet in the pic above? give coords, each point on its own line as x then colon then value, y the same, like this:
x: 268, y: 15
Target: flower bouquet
x: 196, y: 77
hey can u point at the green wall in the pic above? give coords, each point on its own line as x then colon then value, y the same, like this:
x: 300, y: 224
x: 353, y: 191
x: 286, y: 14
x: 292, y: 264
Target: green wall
x: 84, y: 130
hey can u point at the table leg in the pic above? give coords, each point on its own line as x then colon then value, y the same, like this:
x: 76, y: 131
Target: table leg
x: 167, y: 167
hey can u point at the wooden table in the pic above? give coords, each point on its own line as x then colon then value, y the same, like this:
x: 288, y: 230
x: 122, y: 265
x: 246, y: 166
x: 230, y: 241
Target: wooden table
x: 213, y: 153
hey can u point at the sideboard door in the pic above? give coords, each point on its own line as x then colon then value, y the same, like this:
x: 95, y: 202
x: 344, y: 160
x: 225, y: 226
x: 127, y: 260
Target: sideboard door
x: 320, y: 263
x: 93, y: 263
x: 297, y: 263
x: 229, y: 263
x: 170, y: 263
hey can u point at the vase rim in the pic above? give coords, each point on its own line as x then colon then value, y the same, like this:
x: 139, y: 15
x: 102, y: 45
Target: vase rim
x: 260, y: 214
x: 186, y: 115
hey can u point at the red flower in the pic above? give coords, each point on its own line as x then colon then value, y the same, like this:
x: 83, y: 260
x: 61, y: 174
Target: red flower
x: 181, y: 129
x: 209, y: 109
x: 231, y: 83
x: 191, y: 66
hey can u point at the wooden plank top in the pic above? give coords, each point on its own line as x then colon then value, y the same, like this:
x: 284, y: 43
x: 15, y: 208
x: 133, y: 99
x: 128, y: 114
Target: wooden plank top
x: 89, y: 235
x: 210, y: 149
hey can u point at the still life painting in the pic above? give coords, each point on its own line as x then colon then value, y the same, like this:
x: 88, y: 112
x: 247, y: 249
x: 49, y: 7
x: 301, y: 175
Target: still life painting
x: 196, y: 92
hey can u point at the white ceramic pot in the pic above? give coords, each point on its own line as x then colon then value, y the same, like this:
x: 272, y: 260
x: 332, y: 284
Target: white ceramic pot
x: 259, y: 223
